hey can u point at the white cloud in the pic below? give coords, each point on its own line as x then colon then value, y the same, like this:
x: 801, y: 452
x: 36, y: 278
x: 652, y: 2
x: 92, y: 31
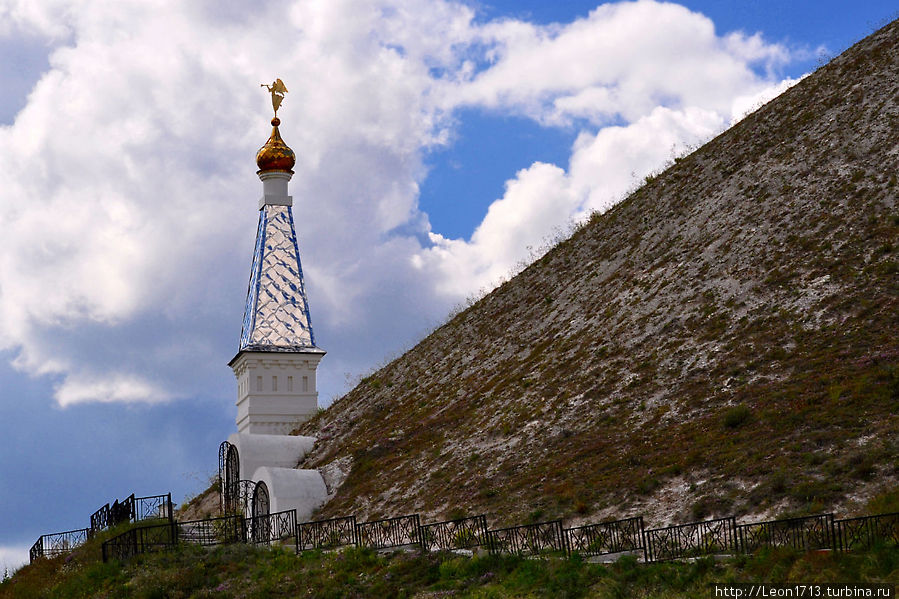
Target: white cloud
x: 98, y: 387
x: 128, y: 200
x: 622, y: 61
x: 744, y: 105
x: 544, y: 199
x: 536, y: 202
x: 12, y: 557
x: 48, y: 18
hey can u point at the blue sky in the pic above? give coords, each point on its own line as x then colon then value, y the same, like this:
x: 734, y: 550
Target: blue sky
x: 439, y: 147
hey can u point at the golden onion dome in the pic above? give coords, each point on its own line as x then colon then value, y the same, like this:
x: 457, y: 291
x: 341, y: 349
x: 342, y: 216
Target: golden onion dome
x: 275, y: 155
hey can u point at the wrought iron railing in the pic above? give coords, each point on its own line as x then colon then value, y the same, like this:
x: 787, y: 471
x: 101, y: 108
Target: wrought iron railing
x: 140, y: 539
x: 213, y: 531
x: 802, y: 534
x: 122, y: 511
x: 326, y: 534
x: 389, y: 532
x: 867, y: 531
x: 689, y: 540
x: 463, y: 533
x: 242, y: 503
x: 268, y: 528
x: 157, y: 537
x: 100, y: 519
x: 153, y: 507
x: 37, y: 550
x: 58, y: 543
x: 530, y: 539
x: 111, y: 515
x: 229, y: 480
x: 605, y: 538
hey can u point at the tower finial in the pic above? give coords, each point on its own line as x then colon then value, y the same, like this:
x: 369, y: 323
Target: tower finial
x: 275, y: 155
x: 277, y: 89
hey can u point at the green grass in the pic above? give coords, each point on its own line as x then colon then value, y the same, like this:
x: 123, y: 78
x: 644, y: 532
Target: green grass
x: 248, y: 572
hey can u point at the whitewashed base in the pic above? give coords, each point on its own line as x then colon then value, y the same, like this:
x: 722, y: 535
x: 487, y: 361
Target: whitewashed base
x: 289, y: 489
x: 279, y: 451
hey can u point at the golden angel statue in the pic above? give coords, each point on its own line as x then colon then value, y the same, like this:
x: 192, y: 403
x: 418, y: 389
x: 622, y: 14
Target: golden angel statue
x: 278, y: 89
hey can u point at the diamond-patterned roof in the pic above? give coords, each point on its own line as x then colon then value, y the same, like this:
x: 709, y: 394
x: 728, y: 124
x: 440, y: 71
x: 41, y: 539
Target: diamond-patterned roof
x: 277, y: 311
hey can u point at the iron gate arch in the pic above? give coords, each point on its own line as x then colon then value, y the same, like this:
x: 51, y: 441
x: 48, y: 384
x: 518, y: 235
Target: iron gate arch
x: 260, y: 500
x: 229, y: 477
x: 260, y: 512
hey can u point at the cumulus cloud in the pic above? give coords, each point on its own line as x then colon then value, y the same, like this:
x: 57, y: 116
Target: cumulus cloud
x: 620, y: 62
x: 744, y: 105
x: 128, y: 198
x: 543, y: 200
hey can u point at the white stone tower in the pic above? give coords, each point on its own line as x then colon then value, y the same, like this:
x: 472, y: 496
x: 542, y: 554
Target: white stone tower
x: 276, y: 363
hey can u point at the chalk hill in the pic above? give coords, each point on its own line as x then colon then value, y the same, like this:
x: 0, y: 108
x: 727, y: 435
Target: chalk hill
x: 724, y: 341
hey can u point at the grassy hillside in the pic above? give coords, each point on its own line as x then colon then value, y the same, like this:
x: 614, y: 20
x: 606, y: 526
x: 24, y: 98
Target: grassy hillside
x: 722, y: 342
x: 245, y: 572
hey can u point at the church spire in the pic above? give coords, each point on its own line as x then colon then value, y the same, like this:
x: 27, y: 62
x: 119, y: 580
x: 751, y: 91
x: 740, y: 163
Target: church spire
x: 276, y: 317
x: 277, y: 360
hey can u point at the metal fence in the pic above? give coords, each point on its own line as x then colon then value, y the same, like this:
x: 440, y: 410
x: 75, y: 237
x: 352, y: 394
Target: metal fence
x: 389, y: 532
x: 268, y: 528
x: 243, y: 499
x: 100, y: 519
x: 130, y: 509
x: 867, y: 531
x: 141, y: 539
x: 690, y: 540
x: 326, y: 534
x: 229, y: 475
x: 605, y: 538
x: 157, y: 537
x: 153, y: 507
x: 58, y: 543
x: 462, y: 533
x: 802, y: 534
x: 530, y: 539
x: 708, y: 537
x: 213, y: 531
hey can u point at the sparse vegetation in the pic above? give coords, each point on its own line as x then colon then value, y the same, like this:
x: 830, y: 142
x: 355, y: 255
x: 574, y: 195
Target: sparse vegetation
x: 729, y: 327
x: 234, y: 571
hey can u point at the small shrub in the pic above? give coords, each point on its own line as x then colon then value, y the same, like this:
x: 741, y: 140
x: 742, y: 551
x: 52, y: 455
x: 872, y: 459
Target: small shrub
x: 535, y: 516
x: 862, y: 466
x: 648, y: 485
x: 884, y: 503
x: 737, y: 416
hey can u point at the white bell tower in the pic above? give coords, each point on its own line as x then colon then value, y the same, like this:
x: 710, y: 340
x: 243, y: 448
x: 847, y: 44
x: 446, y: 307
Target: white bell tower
x: 277, y: 360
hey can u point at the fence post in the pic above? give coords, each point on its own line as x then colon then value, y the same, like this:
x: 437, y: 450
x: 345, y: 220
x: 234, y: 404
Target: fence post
x: 643, y: 538
x: 733, y: 534
x: 174, y: 532
x: 834, y: 543
x: 646, y: 538
x: 420, y: 541
x: 420, y: 533
x: 169, y: 510
x: 132, y: 516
